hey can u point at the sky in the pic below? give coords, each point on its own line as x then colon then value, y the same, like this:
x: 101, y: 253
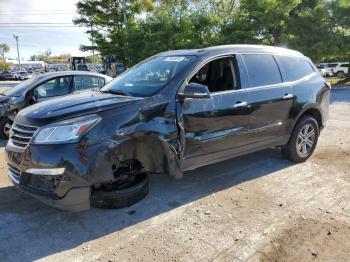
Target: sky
x: 33, y: 40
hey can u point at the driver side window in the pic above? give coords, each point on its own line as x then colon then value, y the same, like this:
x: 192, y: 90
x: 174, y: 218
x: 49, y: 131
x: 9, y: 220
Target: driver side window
x: 219, y: 75
x: 55, y: 87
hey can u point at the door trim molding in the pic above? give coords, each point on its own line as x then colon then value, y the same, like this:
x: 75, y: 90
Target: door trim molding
x: 194, y: 162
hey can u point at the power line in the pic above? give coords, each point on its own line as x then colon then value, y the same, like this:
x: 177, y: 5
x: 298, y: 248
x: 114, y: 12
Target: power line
x: 35, y: 23
x: 3, y: 14
x: 49, y: 26
x: 41, y: 10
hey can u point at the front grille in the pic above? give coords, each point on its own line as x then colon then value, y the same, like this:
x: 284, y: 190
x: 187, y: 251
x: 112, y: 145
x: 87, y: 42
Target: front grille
x: 20, y: 135
x: 14, y: 174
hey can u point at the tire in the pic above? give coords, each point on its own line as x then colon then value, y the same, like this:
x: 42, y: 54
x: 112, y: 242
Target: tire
x: 298, y: 140
x: 340, y: 74
x: 124, y: 197
x: 4, y: 128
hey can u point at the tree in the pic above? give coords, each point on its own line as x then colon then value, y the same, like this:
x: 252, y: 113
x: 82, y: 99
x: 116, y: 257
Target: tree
x: 4, y: 65
x: 142, y: 28
x: 62, y: 58
x: 137, y: 29
x: 317, y: 28
x: 45, y: 56
x: 340, y: 10
x: 98, y: 59
x: 33, y: 58
x: 4, y: 48
x: 268, y: 18
x: 42, y: 56
x: 110, y: 22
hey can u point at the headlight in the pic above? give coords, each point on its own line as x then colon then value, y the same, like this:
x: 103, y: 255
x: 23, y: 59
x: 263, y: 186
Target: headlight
x: 66, y: 131
x: 8, y: 101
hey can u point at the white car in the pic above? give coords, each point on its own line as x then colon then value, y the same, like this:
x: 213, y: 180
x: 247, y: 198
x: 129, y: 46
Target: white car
x: 341, y: 70
x: 326, y: 69
x: 23, y: 75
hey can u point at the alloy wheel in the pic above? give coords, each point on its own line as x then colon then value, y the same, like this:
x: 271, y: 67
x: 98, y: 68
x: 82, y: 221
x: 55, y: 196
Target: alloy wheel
x: 7, y: 128
x: 306, y: 140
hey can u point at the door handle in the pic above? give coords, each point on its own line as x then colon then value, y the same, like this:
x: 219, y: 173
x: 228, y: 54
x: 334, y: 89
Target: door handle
x: 288, y: 96
x: 240, y: 104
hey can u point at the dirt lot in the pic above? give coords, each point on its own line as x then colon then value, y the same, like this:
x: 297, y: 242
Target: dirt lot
x: 253, y: 208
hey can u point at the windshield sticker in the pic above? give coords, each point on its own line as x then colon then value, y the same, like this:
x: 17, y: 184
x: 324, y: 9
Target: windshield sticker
x: 174, y: 59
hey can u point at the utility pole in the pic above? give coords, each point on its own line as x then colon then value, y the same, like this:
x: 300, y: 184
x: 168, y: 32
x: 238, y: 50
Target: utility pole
x: 125, y: 22
x: 93, y: 49
x: 19, y: 59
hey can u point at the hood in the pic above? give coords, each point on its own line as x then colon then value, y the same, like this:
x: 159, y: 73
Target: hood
x: 72, y: 106
x: 4, y: 98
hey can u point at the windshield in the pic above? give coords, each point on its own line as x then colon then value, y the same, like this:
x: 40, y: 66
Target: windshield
x: 19, y: 89
x: 149, y: 77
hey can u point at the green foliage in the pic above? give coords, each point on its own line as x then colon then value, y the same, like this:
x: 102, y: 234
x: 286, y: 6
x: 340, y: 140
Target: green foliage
x: 4, y: 65
x: 42, y: 56
x: 136, y: 29
x: 4, y: 48
x: 98, y: 59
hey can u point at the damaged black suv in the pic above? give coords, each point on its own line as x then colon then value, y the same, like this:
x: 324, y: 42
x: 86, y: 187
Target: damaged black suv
x: 173, y: 112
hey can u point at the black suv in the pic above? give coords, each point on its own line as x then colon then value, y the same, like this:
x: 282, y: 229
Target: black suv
x: 173, y: 112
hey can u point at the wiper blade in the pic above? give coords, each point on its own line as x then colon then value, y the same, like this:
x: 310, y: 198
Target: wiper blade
x: 116, y: 92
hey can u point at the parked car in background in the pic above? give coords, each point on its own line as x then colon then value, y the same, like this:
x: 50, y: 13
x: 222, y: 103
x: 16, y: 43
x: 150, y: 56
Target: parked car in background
x: 44, y: 87
x: 341, y: 70
x: 175, y: 111
x: 7, y: 75
x: 326, y: 69
x: 24, y: 75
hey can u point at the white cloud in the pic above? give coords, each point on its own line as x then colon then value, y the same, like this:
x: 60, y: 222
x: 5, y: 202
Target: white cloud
x: 37, y: 39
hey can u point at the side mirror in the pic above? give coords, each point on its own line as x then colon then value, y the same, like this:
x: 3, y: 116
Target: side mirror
x: 194, y: 90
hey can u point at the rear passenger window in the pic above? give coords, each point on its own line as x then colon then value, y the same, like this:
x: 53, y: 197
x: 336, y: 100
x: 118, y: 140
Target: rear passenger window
x: 262, y: 70
x: 294, y: 68
x: 87, y: 82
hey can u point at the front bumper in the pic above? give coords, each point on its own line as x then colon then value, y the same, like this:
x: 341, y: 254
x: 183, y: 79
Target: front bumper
x: 67, y: 191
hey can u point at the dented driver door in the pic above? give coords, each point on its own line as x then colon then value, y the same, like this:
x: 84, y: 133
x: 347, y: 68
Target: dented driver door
x: 212, y: 125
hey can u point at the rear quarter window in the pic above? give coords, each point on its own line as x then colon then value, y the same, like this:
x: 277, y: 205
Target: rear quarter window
x: 294, y: 68
x: 262, y: 70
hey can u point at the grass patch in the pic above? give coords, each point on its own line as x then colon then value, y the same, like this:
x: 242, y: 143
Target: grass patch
x: 337, y: 80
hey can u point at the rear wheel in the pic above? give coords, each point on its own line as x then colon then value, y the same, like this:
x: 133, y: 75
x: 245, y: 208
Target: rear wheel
x: 5, y: 126
x: 340, y: 74
x: 303, y: 140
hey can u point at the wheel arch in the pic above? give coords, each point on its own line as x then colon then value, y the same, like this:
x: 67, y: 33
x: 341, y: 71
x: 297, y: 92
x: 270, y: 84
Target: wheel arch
x: 312, y: 110
x: 154, y: 154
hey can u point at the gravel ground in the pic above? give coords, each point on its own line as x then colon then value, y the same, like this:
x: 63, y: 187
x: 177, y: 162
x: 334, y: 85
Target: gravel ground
x: 259, y: 207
